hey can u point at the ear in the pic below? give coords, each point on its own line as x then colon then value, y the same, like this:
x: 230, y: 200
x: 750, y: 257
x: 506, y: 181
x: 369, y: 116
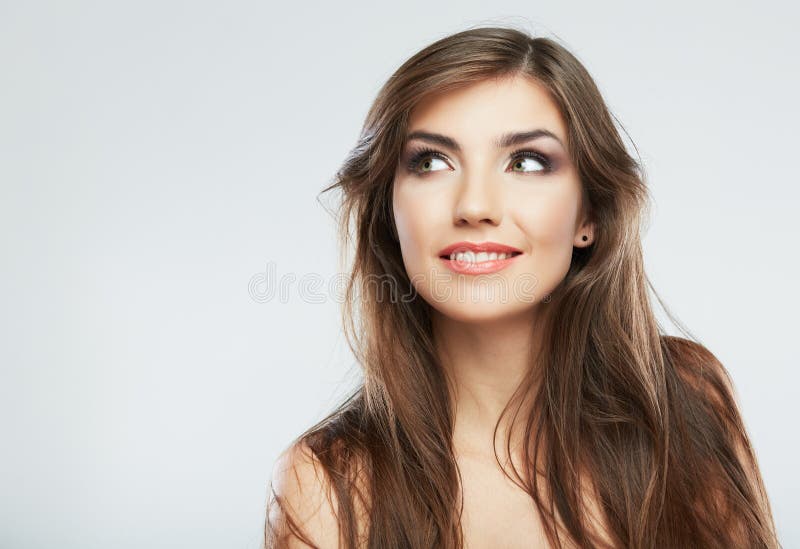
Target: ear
x: 585, y: 229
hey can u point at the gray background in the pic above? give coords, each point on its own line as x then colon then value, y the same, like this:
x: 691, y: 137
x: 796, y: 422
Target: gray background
x: 155, y: 157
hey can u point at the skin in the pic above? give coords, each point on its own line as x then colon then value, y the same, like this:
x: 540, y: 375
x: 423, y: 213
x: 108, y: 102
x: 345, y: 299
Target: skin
x: 484, y: 193
x: 480, y: 193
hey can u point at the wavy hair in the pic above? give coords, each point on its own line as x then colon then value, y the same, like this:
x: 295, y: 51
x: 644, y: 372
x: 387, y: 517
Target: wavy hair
x: 644, y: 422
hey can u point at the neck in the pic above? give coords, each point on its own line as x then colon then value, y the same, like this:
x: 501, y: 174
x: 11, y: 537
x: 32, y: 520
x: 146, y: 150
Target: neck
x: 485, y: 363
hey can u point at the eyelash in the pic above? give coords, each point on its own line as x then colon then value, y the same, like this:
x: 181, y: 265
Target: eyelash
x: 425, y: 152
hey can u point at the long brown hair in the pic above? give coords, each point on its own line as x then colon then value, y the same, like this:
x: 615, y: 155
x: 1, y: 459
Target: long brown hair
x: 650, y: 420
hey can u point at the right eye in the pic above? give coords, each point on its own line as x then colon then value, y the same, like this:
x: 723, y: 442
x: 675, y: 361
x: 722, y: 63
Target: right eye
x: 424, y: 161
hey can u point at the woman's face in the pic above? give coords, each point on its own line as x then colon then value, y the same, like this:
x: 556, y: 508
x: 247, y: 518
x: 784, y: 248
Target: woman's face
x: 470, y: 186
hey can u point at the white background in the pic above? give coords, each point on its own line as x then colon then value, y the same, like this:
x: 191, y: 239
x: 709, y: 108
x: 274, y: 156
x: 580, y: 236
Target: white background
x: 155, y: 156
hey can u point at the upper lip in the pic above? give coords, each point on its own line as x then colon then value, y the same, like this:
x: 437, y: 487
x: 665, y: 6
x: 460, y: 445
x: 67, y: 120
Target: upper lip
x: 489, y: 247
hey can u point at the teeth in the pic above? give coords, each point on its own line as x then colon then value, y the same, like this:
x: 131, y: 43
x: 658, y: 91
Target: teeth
x: 479, y: 257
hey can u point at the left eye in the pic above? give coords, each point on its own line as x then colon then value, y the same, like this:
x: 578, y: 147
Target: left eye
x: 524, y: 157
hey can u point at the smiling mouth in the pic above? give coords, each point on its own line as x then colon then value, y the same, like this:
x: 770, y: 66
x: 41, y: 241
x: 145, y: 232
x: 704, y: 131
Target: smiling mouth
x: 479, y: 257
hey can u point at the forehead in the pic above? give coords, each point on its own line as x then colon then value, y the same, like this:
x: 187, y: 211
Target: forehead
x: 479, y: 112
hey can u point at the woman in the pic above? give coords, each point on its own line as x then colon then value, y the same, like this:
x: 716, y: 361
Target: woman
x: 518, y: 391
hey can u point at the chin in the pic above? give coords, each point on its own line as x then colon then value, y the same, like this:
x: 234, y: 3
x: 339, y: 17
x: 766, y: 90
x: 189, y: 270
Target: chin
x: 476, y: 312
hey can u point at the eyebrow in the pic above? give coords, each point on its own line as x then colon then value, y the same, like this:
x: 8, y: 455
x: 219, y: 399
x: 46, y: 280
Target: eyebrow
x: 506, y: 140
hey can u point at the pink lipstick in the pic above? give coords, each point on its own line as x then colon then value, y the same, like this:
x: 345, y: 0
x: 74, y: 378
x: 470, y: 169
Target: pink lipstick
x: 478, y: 258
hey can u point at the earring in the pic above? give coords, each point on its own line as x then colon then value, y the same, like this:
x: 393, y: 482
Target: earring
x: 585, y: 238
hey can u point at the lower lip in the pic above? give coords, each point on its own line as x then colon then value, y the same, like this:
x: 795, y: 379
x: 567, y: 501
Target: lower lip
x: 484, y: 267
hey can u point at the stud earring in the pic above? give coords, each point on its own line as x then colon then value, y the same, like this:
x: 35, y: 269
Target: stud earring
x: 585, y: 238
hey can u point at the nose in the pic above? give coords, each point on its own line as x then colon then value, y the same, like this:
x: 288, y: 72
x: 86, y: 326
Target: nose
x: 478, y: 201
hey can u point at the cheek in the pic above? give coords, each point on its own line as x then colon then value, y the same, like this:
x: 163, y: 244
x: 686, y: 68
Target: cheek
x: 548, y: 215
x: 548, y: 218
x: 415, y: 215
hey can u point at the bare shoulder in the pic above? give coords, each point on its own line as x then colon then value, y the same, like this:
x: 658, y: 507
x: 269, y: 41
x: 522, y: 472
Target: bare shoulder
x: 712, y: 382
x: 301, y: 495
x: 704, y: 372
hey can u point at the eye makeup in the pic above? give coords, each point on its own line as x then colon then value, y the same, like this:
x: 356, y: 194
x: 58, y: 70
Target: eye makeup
x: 416, y: 156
